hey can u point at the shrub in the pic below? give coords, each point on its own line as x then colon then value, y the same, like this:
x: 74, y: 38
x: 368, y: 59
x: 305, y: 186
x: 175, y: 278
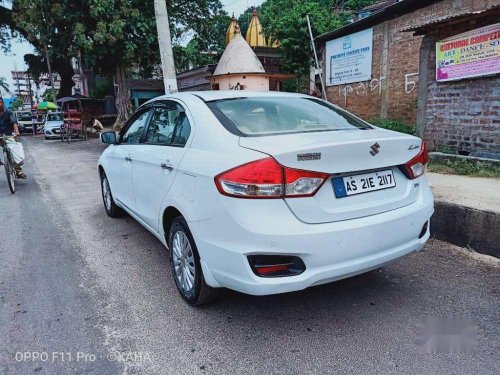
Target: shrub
x: 396, y: 125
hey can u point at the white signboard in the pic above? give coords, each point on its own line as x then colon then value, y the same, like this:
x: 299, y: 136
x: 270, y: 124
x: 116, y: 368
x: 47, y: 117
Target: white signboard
x: 349, y: 59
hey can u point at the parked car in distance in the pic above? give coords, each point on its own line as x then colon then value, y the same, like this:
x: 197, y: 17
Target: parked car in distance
x: 24, y: 121
x: 52, y: 126
x: 266, y: 192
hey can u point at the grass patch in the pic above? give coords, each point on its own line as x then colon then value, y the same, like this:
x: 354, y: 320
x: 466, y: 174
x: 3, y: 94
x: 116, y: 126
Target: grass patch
x: 464, y: 167
x: 446, y: 150
x: 396, y: 125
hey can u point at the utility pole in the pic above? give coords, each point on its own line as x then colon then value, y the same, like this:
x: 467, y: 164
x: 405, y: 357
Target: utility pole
x: 48, y: 65
x: 316, y: 59
x: 30, y: 93
x: 165, y: 43
x: 83, y: 78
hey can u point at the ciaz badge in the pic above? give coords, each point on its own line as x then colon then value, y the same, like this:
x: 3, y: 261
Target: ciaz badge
x: 309, y: 156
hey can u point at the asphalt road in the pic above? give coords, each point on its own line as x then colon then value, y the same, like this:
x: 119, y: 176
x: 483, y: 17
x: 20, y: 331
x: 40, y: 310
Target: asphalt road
x: 97, y: 296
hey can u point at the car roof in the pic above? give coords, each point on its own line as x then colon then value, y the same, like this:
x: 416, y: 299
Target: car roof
x: 230, y: 94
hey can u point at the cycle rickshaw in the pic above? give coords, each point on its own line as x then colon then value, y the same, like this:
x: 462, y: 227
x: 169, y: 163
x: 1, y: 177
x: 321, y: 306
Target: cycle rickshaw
x: 78, y: 113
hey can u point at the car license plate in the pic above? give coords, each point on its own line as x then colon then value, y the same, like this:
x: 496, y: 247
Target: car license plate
x: 363, y: 183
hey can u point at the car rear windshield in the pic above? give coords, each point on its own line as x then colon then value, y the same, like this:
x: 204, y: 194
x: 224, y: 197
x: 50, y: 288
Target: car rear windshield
x: 54, y: 117
x: 281, y: 115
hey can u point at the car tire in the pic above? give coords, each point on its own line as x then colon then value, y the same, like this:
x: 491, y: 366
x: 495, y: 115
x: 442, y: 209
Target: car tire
x: 46, y: 138
x: 200, y: 292
x: 107, y: 198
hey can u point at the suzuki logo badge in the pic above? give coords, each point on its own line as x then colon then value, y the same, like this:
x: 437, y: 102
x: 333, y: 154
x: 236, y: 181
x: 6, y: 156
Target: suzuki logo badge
x: 374, y: 149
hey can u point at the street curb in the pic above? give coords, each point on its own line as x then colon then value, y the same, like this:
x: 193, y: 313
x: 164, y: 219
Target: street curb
x: 467, y: 227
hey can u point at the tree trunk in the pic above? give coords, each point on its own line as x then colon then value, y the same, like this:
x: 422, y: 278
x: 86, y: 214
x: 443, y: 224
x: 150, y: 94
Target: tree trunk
x: 66, y: 72
x: 122, y: 97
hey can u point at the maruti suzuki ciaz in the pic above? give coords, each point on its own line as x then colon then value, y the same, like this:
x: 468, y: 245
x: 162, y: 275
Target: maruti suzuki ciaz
x: 266, y: 192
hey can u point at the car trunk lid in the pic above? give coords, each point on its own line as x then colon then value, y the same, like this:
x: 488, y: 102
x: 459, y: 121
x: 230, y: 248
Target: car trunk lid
x: 341, y: 154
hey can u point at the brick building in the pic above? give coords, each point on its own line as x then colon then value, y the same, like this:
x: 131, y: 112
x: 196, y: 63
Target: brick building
x: 462, y: 114
x: 392, y: 89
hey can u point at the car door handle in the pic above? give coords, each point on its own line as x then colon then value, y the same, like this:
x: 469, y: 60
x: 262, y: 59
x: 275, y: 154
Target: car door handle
x: 128, y: 158
x: 167, y: 166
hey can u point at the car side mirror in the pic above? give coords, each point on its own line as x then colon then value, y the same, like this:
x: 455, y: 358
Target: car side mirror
x: 108, y: 137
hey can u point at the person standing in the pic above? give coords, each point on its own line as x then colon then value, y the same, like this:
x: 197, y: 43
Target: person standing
x: 9, y: 128
x: 33, y: 123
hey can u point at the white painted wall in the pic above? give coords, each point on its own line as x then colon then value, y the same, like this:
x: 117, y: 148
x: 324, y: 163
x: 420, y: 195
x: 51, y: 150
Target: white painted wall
x: 252, y: 82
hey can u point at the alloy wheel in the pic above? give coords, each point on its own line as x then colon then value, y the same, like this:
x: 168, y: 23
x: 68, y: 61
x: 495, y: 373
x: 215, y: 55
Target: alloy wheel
x: 183, y: 262
x: 106, y: 193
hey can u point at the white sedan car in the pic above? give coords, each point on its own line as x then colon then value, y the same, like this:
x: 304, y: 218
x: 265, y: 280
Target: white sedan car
x: 266, y: 193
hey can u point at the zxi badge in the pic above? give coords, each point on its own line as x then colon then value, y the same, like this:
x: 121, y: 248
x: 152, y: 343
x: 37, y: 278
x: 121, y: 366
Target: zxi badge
x: 374, y: 149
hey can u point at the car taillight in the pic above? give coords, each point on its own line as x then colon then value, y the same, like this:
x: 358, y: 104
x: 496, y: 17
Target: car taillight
x: 266, y: 178
x: 416, y: 166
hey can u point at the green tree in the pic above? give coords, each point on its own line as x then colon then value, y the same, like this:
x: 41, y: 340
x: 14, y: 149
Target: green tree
x: 50, y: 95
x: 199, y: 51
x: 4, y: 86
x: 285, y: 21
x: 7, y: 27
x: 48, y: 27
x: 350, y: 6
x: 114, y: 36
x: 17, y: 104
x: 193, y: 56
x: 245, y: 17
x: 120, y: 37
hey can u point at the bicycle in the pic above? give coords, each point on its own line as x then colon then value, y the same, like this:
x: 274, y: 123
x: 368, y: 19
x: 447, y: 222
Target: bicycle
x: 8, y: 165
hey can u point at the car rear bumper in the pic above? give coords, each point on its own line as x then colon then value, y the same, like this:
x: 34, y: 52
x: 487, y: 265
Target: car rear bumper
x: 330, y: 251
x: 23, y: 128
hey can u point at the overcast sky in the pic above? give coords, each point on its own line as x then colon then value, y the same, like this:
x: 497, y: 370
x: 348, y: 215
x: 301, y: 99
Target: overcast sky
x: 15, y: 60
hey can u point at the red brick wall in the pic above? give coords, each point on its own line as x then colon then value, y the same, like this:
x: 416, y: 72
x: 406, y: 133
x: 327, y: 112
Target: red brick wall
x: 464, y: 115
x: 392, y: 92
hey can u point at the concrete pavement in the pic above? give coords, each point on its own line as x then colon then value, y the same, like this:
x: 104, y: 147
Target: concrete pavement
x: 109, y: 284
x: 467, y: 211
x: 474, y: 192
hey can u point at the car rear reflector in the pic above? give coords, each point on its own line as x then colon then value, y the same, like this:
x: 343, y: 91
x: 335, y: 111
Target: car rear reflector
x: 276, y: 265
x: 266, y: 178
x: 266, y: 270
x: 424, y: 230
x: 416, y: 166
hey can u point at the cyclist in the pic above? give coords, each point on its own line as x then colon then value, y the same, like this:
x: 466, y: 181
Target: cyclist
x: 8, y: 125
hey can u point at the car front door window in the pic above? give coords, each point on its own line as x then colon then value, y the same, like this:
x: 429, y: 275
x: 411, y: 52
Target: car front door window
x: 161, y: 127
x: 134, y: 132
x: 182, y: 130
x: 169, y: 126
